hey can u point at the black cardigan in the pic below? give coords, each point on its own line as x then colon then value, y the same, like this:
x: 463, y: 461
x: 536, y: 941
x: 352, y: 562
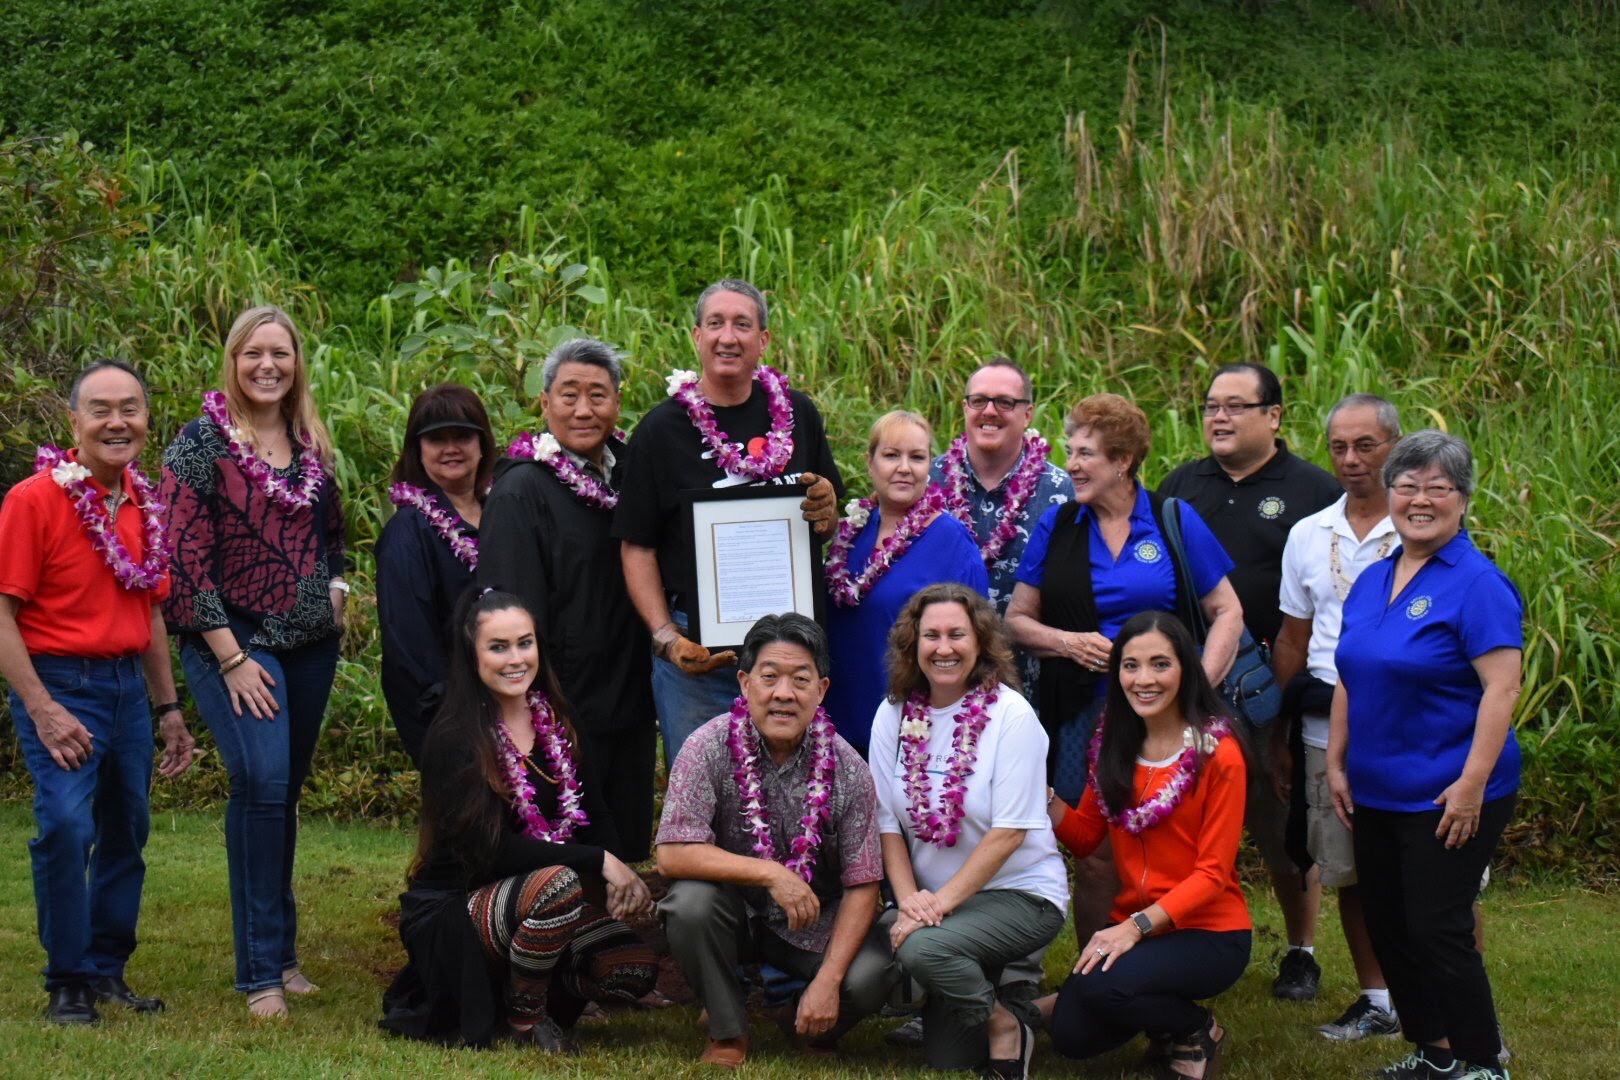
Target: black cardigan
x: 448, y: 991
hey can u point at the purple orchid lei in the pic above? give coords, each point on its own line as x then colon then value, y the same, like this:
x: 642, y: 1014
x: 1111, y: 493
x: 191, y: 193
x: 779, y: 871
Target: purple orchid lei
x: 283, y: 494
x: 464, y: 547
x: 552, y: 741
x: 941, y: 827
x: 849, y: 591
x: 549, y: 452
x: 74, y: 479
x: 733, y: 457
x: 742, y: 739
x: 1150, y: 812
x: 1021, y: 485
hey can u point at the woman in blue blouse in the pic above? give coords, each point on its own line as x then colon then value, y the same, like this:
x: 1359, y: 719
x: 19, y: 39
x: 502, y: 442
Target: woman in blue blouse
x: 877, y: 560
x: 1091, y: 565
x: 428, y: 550
x: 1421, y: 756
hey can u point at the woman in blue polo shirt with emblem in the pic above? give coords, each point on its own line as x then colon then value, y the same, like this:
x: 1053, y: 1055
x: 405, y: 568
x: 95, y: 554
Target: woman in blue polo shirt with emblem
x: 1092, y: 564
x: 1421, y: 756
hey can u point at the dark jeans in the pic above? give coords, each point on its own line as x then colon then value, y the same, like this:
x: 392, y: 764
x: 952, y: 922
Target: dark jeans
x: 1154, y: 987
x: 1419, y: 902
x: 268, y: 761
x: 92, y: 821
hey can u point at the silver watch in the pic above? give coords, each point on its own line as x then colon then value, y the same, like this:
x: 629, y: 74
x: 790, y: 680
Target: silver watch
x: 1143, y: 923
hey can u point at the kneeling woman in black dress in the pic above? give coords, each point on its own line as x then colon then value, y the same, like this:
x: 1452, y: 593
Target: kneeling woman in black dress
x: 513, y: 918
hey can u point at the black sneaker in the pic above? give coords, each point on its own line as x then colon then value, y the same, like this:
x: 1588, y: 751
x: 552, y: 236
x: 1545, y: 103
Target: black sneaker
x: 1483, y: 1072
x: 909, y: 1033
x: 1415, y: 1066
x: 1012, y: 1068
x: 1297, y: 977
x: 1362, y: 1020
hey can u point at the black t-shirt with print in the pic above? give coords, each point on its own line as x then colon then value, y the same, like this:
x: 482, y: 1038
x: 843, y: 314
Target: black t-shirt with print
x: 667, y: 456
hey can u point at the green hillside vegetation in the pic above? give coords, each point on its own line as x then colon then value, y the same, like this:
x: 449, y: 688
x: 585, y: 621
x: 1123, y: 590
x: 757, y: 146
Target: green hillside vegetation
x: 1420, y: 206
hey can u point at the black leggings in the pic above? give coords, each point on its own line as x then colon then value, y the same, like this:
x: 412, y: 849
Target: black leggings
x: 1154, y: 987
x: 1419, y: 901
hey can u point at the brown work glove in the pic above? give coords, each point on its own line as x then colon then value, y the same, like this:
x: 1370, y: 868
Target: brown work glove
x: 694, y: 659
x: 820, y: 504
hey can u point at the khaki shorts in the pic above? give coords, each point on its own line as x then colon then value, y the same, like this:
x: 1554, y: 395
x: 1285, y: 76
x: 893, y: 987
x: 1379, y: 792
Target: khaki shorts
x: 1325, y: 835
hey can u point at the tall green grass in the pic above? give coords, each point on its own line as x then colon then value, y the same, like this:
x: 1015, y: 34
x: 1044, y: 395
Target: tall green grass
x: 1479, y: 294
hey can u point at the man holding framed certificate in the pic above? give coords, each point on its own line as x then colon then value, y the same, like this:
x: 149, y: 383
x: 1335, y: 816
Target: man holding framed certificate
x: 734, y: 424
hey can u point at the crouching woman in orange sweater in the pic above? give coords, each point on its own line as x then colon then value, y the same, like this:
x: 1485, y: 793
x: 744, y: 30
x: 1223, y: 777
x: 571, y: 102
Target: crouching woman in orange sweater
x: 1166, y: 786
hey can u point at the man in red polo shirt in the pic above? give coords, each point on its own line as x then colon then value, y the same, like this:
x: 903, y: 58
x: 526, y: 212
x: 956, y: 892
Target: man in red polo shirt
x: 80, y: 641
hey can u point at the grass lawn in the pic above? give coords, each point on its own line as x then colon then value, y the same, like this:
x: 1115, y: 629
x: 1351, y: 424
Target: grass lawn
x: 1553, y: 955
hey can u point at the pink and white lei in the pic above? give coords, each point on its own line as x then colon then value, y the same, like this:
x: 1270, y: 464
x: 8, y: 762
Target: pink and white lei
x: 1150, y: 812
x: 283, y: 494
x: 848, y: 591
x: 101, y: 527
x: 942, y: 826
x: 742, y: 739
x: 549, y: 452
x: 464, y: 547
x: 552, y: 741
x: 1021, y: 485
x: 733, y: 457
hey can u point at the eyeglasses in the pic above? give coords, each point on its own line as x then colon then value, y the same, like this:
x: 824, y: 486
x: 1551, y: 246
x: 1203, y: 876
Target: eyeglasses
x: 1435, y: 492
x: 1362, y: 447
x: 1234, y: 409
x: 980, y: 402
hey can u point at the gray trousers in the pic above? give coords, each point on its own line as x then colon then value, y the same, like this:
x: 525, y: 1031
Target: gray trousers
x: 711, y: 931
x: 960, y: 961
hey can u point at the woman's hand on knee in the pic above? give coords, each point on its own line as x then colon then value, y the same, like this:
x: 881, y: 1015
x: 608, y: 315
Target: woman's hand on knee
x: 903, y: 927
x: 627, y: 895
x: 924, y: 907
x: 249, y: 684
x: 1106, y: 946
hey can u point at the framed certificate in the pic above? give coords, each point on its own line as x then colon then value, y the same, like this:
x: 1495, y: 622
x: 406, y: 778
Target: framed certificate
x: 754, y: 556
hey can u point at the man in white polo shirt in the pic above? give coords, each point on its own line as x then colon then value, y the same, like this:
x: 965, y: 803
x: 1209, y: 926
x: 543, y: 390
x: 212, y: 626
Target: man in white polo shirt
x: 1324, y: 555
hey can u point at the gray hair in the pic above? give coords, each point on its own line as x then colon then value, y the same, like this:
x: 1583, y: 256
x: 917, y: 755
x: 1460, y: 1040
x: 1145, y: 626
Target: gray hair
x: 1431, y: 448
x: 583, y: 350
x: 103, y: 365
x: 736, y: 285
x: 1388, y: 417
x: 789, y: 629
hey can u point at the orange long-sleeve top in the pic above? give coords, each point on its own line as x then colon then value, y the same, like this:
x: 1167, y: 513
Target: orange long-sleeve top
x: 1187, y: 864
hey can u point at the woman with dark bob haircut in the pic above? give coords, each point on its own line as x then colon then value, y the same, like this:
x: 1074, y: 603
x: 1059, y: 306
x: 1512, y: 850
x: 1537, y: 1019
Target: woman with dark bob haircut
x: 959, y: 761
x: 428, y: 551
x: 513, y: 918
x: 1421, y: 752
x: 1166, y: 784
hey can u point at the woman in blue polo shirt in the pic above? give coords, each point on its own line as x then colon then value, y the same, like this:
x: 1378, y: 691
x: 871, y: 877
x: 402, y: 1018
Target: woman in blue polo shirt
x: 1421, y: 755
x: 1092, y: 564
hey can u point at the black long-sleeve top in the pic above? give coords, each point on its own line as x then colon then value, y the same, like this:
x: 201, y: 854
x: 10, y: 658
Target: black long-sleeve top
x: 419, y: 580
x: 542, y: 542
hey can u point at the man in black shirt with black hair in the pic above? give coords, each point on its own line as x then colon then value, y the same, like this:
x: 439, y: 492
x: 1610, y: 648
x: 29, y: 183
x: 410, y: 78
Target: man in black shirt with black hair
x: 1250, y: 491
x: 740, y: 426
x: 544, y: 536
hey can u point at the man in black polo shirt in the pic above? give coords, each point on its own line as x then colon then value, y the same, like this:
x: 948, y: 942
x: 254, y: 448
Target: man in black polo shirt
x: 1250, y: 491
x: 741, y: 426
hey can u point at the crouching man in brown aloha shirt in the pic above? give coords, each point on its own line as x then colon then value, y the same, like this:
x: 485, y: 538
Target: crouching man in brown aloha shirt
x: 769, y: 836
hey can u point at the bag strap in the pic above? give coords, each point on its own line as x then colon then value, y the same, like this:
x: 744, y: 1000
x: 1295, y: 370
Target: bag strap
x: 1191, y: 612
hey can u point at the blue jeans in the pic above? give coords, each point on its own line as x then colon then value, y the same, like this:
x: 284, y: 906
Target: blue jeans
x: 1068, y: 753
x: 92, y: 820
x: 268, y: 761
x: 687, y: 702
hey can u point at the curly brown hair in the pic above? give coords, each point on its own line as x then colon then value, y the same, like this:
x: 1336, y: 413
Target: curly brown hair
x: 994, y: 665
x: 1120, y: 426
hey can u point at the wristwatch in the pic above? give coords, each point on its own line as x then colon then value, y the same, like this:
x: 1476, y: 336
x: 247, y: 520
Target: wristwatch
x: 1143, y: 923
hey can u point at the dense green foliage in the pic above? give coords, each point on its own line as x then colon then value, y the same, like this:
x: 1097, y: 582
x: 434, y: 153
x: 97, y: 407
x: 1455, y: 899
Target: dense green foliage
x: 376, y: 136
x: 1419, y: 205
x: 348, y: 882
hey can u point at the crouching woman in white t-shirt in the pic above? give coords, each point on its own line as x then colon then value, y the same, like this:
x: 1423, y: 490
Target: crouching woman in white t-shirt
x: 959, y: 761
